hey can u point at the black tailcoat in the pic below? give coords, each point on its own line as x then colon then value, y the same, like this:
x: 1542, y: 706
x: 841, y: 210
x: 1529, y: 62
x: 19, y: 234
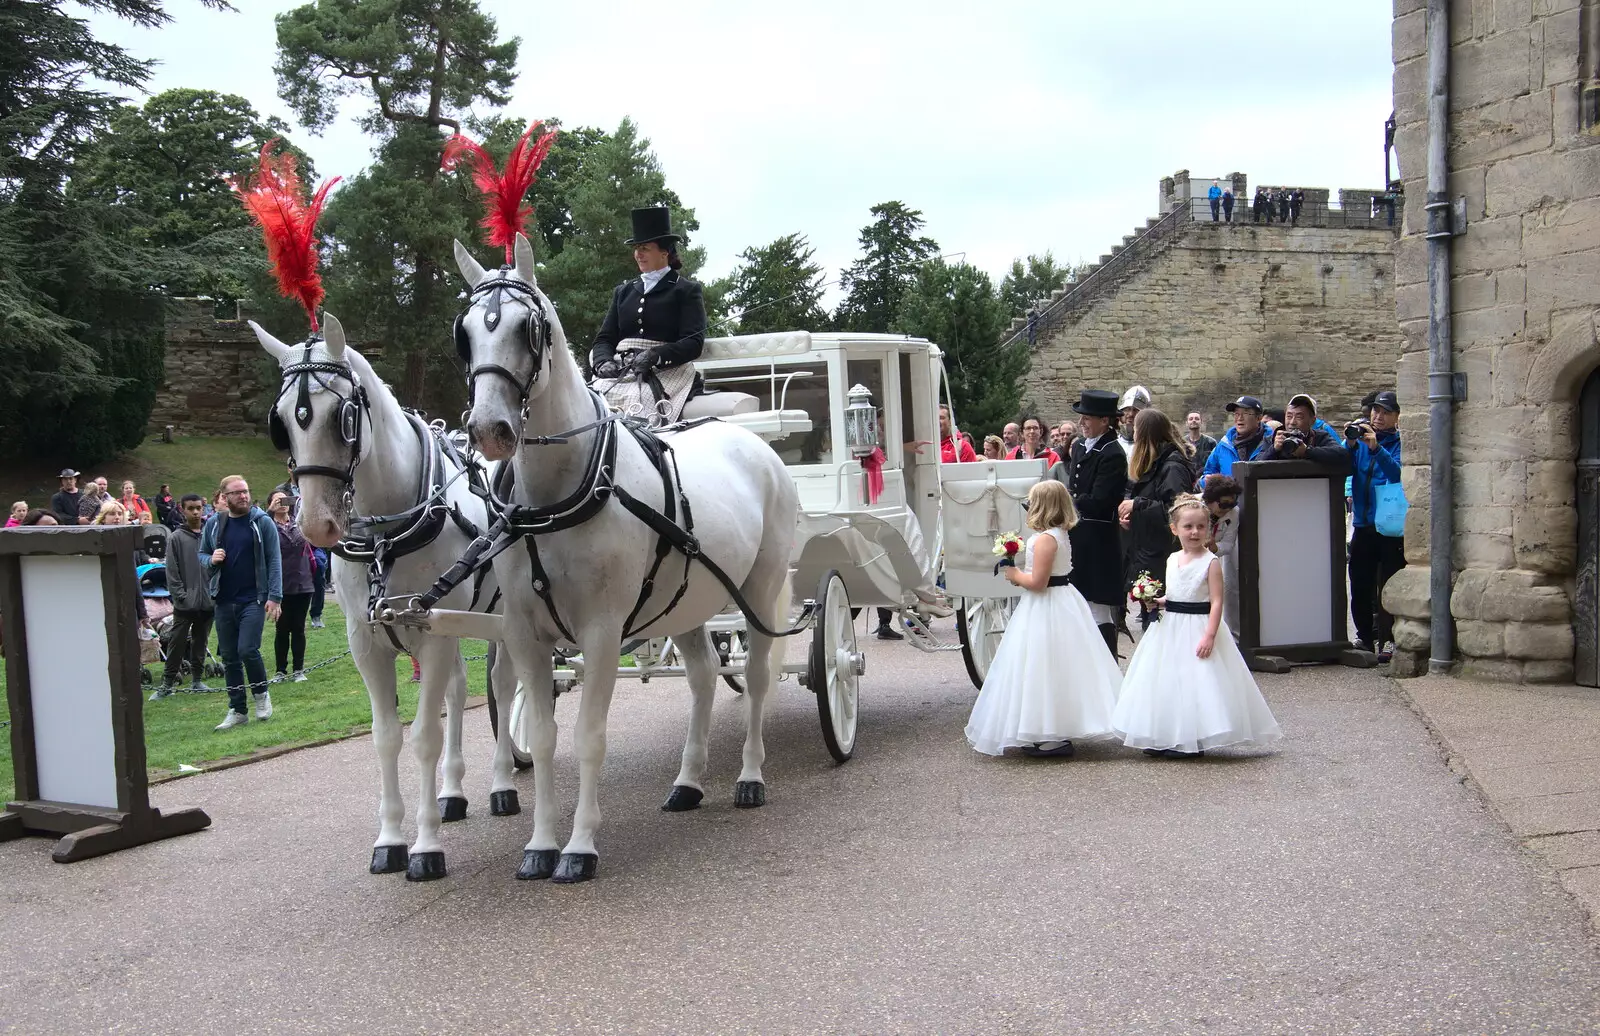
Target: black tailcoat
x: 1098, y: 481
x: 673, y: 314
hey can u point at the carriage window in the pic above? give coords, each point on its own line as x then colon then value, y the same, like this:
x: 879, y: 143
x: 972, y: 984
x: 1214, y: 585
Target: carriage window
x: 786, y: 387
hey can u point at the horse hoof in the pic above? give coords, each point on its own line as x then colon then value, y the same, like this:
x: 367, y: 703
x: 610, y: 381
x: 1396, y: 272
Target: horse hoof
x: 682, y: 799
x: 749, y: 794
x: 425, y: 867
x: 504, y: 803
x: 575, y: 867
x: 452, y: 809
x: 388, y: 859
x: 537, y: 864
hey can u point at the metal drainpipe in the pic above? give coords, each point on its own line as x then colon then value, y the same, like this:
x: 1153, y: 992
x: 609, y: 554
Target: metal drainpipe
x: 1441, y: 380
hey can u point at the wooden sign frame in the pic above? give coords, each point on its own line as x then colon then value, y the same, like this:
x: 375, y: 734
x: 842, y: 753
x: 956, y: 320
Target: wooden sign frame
x: 1278, y: 658
x: 85, y: 830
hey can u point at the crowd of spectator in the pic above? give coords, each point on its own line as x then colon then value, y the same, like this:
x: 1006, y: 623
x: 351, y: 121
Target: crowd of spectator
x: 1158, y: 460
x: 229, y: 567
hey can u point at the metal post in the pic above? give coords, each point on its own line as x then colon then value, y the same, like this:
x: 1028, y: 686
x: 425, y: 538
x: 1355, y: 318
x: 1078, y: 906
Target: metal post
x: 1441, y: 382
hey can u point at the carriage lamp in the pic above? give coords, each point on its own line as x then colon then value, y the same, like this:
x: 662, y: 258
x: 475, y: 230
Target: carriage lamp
x: 861, y: 422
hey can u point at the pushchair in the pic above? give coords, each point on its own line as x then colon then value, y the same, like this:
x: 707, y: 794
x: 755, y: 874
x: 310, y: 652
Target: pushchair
x: 158, y: 607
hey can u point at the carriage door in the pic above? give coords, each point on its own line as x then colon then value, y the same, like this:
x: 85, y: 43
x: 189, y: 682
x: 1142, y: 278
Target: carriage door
x: 1586, y: 609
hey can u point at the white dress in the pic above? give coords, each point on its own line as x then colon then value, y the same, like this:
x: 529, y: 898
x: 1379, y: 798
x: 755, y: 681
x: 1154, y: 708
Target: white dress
x: 1172, y: 698
x: 1052, y: 678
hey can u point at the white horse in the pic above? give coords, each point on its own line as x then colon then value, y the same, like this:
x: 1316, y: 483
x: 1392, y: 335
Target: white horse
x: 530, y: 403
x: 357, y: 453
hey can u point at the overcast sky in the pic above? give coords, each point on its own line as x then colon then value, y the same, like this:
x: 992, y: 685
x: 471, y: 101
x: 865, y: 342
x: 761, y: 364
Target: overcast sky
x: 1015, y: 128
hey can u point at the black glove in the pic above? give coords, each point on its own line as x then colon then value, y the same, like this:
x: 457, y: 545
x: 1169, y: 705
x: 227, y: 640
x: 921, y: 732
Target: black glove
x: 608, y: 369
x: 644, y: 361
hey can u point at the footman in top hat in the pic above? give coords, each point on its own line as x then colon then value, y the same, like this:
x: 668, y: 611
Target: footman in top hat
x: 1098, y: 482
x: 643, y: 356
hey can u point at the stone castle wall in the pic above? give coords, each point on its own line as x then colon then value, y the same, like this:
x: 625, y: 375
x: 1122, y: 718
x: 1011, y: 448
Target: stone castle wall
x: 219, y: 381
x: 1228, y: 310
x: 1525, y: 296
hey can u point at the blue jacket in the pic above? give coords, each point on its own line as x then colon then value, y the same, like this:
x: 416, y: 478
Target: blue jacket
x: 269, y: 562
x: 1226, y: 455
x: 1372, y: 468
x: 1214, y: 193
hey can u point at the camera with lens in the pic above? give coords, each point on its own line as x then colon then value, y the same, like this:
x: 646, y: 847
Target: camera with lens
x: 1357, y: 429
x: 1289, y: 440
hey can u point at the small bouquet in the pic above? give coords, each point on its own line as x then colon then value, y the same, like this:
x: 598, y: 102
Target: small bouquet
x: 1147, y: 589
x: 1008, y: 545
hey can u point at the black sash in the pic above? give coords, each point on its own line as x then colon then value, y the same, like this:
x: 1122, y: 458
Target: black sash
x: 1060, y: 581
x: 1189, y: 607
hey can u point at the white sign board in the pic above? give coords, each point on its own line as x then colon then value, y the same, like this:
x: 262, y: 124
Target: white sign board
x: 70, y: 680
x: 1296, y: 573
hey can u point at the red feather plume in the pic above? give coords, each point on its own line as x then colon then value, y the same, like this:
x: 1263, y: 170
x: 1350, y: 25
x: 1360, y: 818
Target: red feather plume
x: 506, y: 213
x: 276, y: 201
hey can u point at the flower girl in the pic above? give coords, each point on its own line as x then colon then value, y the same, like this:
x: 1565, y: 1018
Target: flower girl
x: 1187, y: 688
x: 1051, y: 679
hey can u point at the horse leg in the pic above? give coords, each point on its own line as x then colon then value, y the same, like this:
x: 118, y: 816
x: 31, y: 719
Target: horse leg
x: 502, y: 792
x: 539, y: 856
x: 377, y: 672
x: 761, y: 669
x: 441, y: 663
x: 701, y: 661
x: 452, y: 798
x: 579, y: 860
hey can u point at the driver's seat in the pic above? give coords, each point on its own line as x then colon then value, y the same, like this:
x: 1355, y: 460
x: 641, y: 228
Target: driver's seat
x: 719, y: 404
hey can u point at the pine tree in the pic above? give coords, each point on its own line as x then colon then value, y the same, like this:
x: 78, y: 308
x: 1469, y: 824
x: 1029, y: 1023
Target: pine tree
x: 778, y: 287
x: 956, y: 306
x: 891, y: 253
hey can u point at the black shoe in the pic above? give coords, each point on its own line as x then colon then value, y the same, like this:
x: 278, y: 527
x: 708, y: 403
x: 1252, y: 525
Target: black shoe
x: 1062, y: 750
x: 1155, y: 752
x: 889, y: 633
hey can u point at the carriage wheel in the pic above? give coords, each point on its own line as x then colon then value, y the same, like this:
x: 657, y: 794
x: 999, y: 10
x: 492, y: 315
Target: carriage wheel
x: 980, y: 623
x: 521, y: 758
x: 835, y: 666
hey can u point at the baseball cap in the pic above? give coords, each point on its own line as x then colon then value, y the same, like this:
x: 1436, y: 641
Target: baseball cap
x: 1388, y: 400
x: 67, y: 473
x: 1248, y: 402
x: 1303, y: 399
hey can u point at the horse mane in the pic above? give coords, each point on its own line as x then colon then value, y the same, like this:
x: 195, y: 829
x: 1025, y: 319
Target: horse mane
x: 276, y: 200
x: 506, y: 213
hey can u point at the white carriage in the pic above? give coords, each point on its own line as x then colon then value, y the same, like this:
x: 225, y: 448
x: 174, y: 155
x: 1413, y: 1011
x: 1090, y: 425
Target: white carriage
x: 930, y: 525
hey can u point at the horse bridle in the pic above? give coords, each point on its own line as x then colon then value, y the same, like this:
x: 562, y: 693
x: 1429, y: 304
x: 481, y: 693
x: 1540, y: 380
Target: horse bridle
x: 497, y: 289
x: 351, y: 410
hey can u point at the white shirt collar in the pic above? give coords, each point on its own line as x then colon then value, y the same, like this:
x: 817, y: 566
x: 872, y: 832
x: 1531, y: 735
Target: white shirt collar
x: 653, y: 277
x: 1088, y: 444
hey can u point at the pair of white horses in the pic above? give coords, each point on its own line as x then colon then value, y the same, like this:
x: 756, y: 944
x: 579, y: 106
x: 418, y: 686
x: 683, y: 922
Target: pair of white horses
x: 526, y: 392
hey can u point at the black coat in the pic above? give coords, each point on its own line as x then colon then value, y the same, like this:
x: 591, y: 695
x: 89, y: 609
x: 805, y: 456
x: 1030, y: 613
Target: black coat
x: 674, y: 314
x: 1149, y: 536
x: 1097, y: 481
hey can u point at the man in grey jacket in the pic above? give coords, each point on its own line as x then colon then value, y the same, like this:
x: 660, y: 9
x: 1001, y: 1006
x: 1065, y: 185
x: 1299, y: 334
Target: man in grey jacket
x: 244, y: 573
x: 192, y: 609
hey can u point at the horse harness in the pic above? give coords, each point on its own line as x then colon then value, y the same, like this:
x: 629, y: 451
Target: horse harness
x: 525, y: 522
x: 422, y: 523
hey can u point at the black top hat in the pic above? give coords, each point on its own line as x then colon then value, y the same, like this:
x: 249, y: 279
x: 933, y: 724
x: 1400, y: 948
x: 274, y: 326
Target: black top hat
x: 1096, y: 403
x: 652, y: 224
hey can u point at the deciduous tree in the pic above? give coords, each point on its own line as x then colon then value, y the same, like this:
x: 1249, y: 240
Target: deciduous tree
x: 956, y: 306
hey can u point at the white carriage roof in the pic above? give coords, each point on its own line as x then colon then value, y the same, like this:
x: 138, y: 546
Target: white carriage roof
x: 784, y: 343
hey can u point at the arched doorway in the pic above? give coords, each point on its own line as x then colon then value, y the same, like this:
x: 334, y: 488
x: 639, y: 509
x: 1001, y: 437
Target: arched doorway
x: 1586, y: 608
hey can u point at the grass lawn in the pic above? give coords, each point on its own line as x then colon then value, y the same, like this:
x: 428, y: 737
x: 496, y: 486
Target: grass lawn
x: 332, y: 702
x: 188, y: 465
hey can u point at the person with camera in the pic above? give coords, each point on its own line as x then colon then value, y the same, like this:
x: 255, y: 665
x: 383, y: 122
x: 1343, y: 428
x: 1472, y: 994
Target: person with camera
x: 1374, y: 447
x: 1305, y: 437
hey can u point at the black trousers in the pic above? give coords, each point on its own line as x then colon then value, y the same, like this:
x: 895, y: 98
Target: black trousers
x: 1373, y: 559
x: 191, y: 631
x: 291, y: 633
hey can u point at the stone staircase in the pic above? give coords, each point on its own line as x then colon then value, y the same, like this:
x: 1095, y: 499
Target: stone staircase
x: 1134, y: 254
